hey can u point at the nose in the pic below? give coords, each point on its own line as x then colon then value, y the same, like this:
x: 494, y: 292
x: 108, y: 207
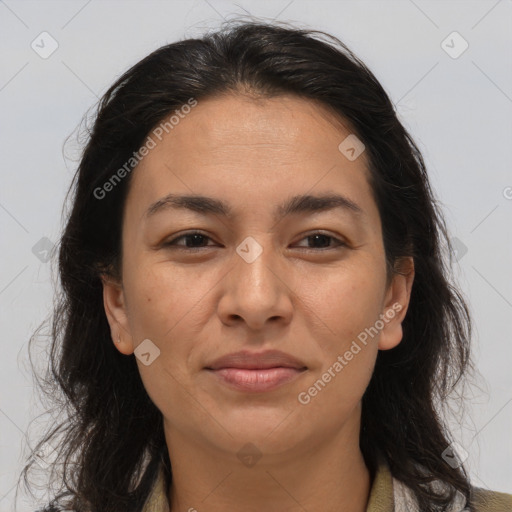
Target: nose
x: 257, y: 292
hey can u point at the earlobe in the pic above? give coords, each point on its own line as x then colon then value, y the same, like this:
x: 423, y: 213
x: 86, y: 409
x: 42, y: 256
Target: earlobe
x: 115, y: 310
x: 396, y: 304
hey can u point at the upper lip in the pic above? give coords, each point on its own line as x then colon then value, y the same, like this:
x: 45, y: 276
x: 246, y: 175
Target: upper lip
x: 256, y: 360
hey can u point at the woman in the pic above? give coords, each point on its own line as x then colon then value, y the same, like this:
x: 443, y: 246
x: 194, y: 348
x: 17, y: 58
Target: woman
x: 215, y: 356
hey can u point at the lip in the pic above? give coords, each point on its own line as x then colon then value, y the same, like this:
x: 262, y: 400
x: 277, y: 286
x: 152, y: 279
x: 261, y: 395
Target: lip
x: 256, y: 371
x: 256, y: 380
x: 257, y: 361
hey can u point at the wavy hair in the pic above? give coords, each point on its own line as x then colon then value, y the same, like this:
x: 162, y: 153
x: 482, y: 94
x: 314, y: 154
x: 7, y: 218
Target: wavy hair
x: 111, y: 437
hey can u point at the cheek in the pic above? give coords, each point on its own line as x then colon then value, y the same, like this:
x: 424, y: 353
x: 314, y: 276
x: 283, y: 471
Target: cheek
x: 162, y: 297
x: 347, y: 300
x: 165, y: 305
x: 348, y: 304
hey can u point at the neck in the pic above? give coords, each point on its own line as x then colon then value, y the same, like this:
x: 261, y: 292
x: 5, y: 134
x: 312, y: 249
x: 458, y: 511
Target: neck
x: 325, y: 475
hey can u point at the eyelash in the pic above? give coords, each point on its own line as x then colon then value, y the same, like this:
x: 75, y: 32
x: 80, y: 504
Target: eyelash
x: 172, y: 243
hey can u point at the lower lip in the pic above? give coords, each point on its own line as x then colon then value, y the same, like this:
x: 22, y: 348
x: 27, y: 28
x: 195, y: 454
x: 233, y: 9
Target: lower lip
x: 257, y: 380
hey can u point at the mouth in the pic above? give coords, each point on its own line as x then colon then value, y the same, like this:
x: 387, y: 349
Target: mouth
x: 256, y: 380
x: 256, y: 371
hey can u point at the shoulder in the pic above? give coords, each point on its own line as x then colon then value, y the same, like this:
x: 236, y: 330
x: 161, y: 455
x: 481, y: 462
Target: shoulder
x: 485, y: 500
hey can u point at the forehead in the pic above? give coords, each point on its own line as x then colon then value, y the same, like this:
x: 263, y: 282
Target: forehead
x: 228, y: 121
x: 258, y: 147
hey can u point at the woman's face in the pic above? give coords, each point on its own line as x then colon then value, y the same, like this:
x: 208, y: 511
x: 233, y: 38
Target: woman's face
x: 257, y: 278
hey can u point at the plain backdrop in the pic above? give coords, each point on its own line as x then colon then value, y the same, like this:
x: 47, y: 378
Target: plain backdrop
x: 455, y: 101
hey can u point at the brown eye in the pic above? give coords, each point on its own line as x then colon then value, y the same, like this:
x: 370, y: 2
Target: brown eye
x: 197, y: 240
x: 193, y: 240
x: 321, y: 241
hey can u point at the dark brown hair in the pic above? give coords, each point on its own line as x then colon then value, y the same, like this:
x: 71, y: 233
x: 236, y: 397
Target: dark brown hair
x: 112, y: 440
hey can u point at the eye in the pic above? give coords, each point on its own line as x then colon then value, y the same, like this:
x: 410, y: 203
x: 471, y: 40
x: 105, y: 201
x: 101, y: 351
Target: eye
x: 196, y: 237
x: 323, y: 240
x: 196, y: 240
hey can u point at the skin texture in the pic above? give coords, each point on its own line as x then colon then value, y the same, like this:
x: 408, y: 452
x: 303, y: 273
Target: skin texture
x: 306, y: 298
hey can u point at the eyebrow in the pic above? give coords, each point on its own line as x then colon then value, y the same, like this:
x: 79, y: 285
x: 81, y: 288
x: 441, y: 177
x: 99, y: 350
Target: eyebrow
x: 298, y: 204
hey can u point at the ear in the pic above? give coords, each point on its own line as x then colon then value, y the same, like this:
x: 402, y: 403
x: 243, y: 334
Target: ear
x: 396, y: 303
x: 115, y: 308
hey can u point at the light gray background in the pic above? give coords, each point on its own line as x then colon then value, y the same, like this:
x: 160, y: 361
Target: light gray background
x: 459, y: 110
